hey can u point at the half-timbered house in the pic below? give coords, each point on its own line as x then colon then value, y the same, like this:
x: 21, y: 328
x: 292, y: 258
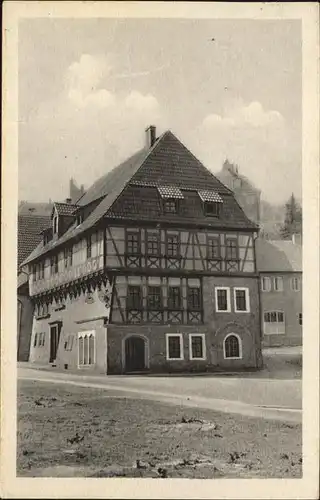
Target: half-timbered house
x: 153, y: 269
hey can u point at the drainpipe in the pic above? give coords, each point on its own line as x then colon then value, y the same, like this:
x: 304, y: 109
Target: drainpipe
x: 255, y: 237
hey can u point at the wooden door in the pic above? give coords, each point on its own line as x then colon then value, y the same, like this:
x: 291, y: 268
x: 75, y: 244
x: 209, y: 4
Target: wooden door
x: 135, y: 354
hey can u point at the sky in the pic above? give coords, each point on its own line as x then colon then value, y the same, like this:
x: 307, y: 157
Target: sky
x: 88, y: 88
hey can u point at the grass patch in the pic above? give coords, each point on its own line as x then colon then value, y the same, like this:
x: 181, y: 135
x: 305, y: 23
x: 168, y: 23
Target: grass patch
x: 68, y: 431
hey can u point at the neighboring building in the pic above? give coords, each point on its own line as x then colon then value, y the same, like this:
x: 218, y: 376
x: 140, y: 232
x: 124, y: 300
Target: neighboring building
x: 280, y: 266
x: 153, y: 269
x: 33, y: 219
x: 247, y: 195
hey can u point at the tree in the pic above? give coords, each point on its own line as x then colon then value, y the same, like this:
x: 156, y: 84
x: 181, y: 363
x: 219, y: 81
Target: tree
x: 293, y: 219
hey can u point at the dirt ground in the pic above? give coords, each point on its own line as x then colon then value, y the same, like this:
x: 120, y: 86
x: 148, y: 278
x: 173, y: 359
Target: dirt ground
x: 69, y: 431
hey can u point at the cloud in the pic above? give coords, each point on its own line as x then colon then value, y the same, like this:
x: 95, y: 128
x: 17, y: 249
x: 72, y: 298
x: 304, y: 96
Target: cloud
x: 85, y: 131
x: 251, y: 115
x: 258, y: 140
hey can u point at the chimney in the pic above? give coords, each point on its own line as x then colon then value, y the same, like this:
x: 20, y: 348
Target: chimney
x: 69, y: 201
x: 150, y: 136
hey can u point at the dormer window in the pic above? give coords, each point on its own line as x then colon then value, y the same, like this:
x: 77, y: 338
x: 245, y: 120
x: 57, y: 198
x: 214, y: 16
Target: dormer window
x: 170, y: 206
x: 79, y: 219
x: 171, y: 195
x: 211, y: 208
x: 212, y: 203
x: 55, y: 224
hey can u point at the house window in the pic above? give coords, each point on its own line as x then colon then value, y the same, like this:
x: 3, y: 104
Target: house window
x: 174, y: 346
x: 213, y: 248
x: 153, y: 244
x: 273, y: 322
x: 68, y: 343
x: 232, y: 346
x: 41, y: 339
x: 35, y: 340
x: 231, y: 249
x: 68, y: 257
x: 211, y: 208
x: 265, y: 284
x: 241, y: 300
x: 295, y: 284
x: 278, y: 284
x: 41, y: 269
x: 134, y: 297
x: 170, y: 206
x: 79, y: 219
x: 172, y: 245
x: 222, y: 296
x: 89, y: 247
x: 86, y: 348
x: 154, y: 297
x: 133, y: 243
x: 300, y: 319
x: 174, y: 297
x: 193, y: 298
x: 54, y: 264
x: 197, y: 346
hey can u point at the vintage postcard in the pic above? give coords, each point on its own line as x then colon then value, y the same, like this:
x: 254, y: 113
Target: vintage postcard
x: 160, y: 250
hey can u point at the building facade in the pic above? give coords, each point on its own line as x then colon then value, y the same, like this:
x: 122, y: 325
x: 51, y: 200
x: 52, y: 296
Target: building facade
x: 280, y: 265
x: 247, y: 195
x: 153, y: 269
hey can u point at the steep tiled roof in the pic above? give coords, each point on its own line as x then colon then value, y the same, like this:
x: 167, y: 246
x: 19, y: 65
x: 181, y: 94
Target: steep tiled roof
x: 29, y: 233
x: 65, y: 208
x: 168, y: 162
x: 278, y: 256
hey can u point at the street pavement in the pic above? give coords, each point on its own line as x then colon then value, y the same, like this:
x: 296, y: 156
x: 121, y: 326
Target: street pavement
x: 267, y: 398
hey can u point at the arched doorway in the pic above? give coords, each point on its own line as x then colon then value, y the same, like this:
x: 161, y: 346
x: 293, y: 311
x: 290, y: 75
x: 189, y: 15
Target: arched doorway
x: 135, y: 354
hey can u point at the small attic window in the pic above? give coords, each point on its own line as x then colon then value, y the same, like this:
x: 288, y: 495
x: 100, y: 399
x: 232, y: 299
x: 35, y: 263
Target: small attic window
x: 212, y: 208
x: 170, y: 198
x: 170, y: 206
x: 212, y: 202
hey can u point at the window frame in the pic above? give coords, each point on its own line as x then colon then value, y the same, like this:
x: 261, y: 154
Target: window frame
x: 215, y: 204
x: 204, y: 347
x: 247, y: 297
x: 173, y: 244
x: 157, y: 242
x: 87, y: 334
x: 160, y: 306
x: 132, y: 243
x: 216, y: 289
x: 173, y: 307
x: 277, y: 312
x: 293, y: 279
x: 180, y: 336
x: 235, y: 247
x: 129, y: 307
x: 89, y: 246
x: 275, y: 278
x: 267, y: 289
x: 210, y: 239
x: 189, y: 294
x: 172, y: 201
x: 232, y: 334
